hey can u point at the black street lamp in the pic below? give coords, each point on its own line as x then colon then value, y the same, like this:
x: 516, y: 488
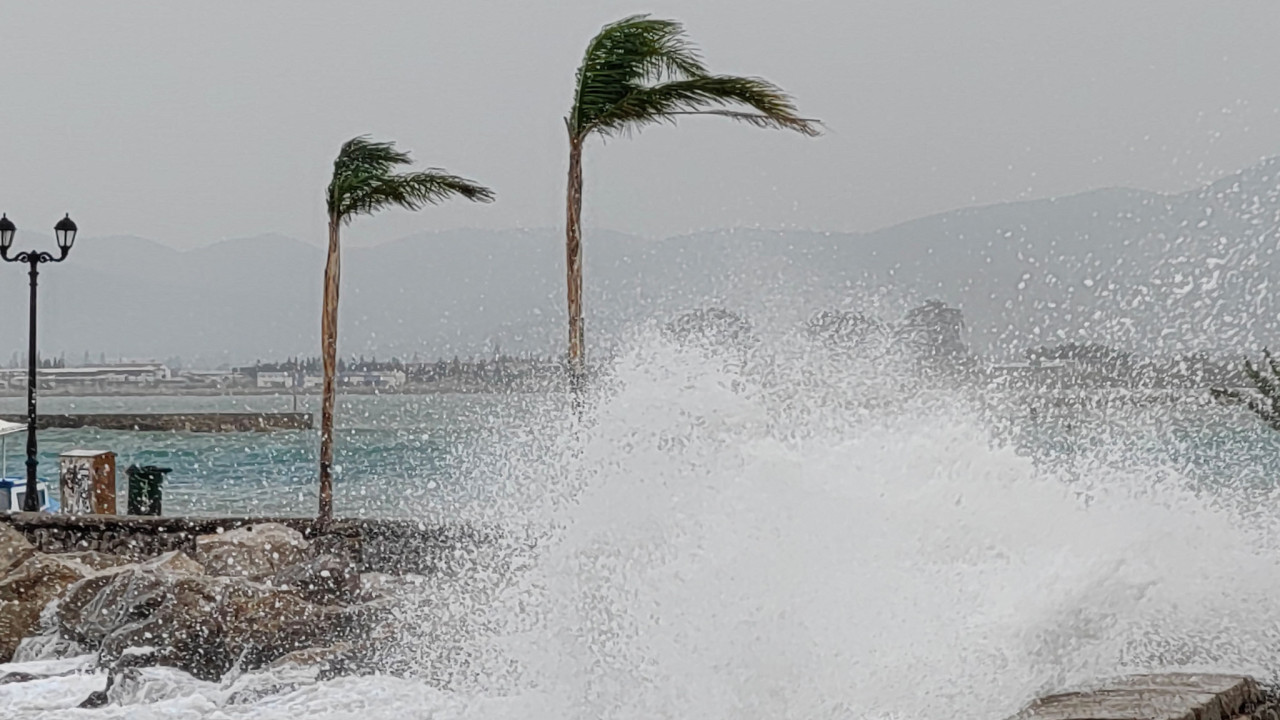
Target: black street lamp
x: 65, y: 231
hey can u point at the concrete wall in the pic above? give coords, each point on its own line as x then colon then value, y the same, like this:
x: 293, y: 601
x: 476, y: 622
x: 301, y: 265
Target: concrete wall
x: 389, y: 546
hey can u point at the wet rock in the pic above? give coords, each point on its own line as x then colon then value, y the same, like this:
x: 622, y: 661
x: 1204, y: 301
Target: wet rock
x: 254, y: 551
x: 148, y: 685
x: 185, y: 629
x: 322, y: 658
x: 47, y: 646
x: 378, y: 586
x: 174, y: 561
x: 23, y: 594
x: 40, y: 579
x: 1168, y: 695
x: 19, y: 677
x: 94, y: 607
x: 344, y: 547
x: 17, y: 621
x: 252, y: 688
x: 94, y: 560
x: 271, y: 627
x: 96, y: 699
x: 325, y: 579
x: 14, y: 549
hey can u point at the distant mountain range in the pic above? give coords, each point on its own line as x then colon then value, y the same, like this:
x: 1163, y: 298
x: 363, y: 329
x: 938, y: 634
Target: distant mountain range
x: 1143, y: 271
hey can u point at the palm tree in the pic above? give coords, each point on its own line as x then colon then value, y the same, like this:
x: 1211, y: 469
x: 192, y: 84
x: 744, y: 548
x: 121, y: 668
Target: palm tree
x: 364, y: 182
x: 638, y: 72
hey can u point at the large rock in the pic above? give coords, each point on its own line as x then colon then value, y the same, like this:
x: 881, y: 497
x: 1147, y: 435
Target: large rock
x: 175, y: 561
x: 254, y: 551
x: 166, y: 612
x: 40, y: 579
x: 14, y: 549
x: 98, y: 605
x: 17, y: 621
x: 25, y: 591
x: 326, y: 579
x: 95, y: 561
x: 1172, y: 695
x: 186, y: 630
x: 378, y: 586
x: 267, y: 628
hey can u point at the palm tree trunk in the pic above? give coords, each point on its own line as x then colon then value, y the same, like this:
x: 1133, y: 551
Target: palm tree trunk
x: 329, y: 357
x: 573, y: 264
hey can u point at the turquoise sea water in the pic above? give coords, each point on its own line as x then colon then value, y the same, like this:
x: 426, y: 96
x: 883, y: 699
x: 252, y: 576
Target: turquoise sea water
x: 395, y: 455
x: 404, y: 455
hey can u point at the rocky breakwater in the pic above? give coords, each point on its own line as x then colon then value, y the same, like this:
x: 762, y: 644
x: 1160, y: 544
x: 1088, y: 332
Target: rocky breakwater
x: 1167, y: 696
x: 246, y: 598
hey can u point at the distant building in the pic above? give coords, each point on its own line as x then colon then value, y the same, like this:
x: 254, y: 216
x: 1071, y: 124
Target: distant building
x: 275, y: 379
x: 375, y: 378
x: 214, y: 378
x: 97, y: 376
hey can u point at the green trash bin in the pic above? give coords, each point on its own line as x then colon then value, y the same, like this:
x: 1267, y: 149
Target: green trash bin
x: 144, y: 488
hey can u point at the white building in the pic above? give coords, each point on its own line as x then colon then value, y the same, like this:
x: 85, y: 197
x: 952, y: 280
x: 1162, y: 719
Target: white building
x: 89, y: 376
x: 380, y: 379
x: 275, y: 379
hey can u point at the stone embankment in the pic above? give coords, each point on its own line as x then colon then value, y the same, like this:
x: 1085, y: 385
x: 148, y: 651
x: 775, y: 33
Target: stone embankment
x: 175, y: 422
x: 209, y: 595
x: 379, y: 545
x: 1169, y: 696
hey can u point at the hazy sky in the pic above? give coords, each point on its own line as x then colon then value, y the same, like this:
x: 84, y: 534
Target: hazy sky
x: 189, y: 122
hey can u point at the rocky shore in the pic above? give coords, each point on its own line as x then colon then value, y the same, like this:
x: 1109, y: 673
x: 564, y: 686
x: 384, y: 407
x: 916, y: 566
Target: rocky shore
x: 256, y: 596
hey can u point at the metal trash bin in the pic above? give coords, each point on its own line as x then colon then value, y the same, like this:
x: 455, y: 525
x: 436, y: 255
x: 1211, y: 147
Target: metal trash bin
x: 144, y: 488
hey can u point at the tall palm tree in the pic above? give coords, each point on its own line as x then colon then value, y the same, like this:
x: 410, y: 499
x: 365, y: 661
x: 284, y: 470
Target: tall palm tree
x: 637, y: 72
x: 364, y: 182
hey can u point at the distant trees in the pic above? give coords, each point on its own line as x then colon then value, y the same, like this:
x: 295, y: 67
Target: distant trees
x: 637, y: 72
x: 365, y: 180
x: 712, y: 328
x: 841, y: 328
x: 1264, y: 399
x: 1088, y: 363
x: 934, y: 334
x: 931, y: 334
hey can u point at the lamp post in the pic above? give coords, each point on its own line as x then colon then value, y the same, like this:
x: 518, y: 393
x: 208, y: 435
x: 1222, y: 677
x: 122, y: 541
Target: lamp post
x: 65, y: 231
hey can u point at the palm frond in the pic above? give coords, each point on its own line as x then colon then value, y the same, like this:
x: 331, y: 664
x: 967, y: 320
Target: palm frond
x: 362, y: 156
x: 629, y: 53
x: 642, y: 70
x: 709, y: 95
x: 410, y: 191
x: 363, y: 182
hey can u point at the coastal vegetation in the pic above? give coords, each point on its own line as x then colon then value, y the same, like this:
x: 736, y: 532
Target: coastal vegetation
x: 1263, y: 399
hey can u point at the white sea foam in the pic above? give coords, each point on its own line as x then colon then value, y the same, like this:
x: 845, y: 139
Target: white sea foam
x: 769, y: 538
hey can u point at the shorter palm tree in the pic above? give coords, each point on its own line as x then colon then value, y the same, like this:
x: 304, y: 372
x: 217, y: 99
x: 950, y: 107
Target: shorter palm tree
x: 365, y: 181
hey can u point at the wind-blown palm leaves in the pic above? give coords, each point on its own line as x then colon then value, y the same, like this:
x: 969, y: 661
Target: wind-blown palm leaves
x: 1264, y: 400
x: 638, y: 72
x: 365, y: 181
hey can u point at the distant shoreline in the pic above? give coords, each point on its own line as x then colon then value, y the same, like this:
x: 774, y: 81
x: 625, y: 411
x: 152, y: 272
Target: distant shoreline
x: 153, y: 391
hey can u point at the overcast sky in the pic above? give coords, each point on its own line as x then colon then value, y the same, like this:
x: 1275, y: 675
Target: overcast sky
x: 190, y: 122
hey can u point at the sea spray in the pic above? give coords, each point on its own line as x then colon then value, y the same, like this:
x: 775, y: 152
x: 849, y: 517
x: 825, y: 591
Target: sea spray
x: 793, y: 532
x: 723, y: 544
